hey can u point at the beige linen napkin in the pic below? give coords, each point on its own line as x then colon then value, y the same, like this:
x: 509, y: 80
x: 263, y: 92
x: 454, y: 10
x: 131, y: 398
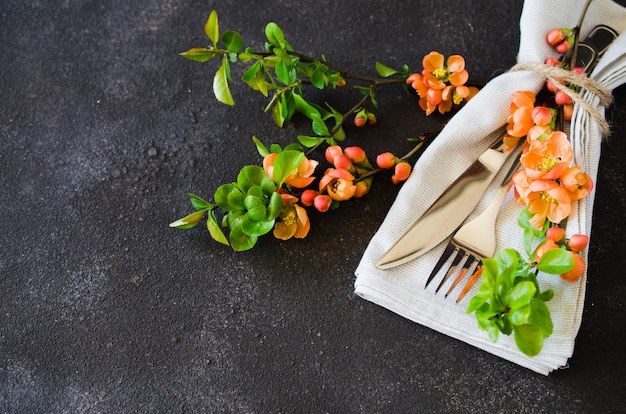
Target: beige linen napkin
x: 466, y: 136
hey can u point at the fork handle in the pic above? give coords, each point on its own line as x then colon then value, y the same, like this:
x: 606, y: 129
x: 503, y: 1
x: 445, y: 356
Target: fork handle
x: 495, y: 204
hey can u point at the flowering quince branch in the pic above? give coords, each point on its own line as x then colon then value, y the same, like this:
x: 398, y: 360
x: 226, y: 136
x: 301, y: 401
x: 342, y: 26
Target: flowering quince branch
x: 274, y: 197
x: 510, y: 299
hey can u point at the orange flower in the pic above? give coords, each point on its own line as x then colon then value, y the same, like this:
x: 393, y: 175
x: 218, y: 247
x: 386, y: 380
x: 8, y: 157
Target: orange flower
x: 299, y: 178
x: 549, y: 157
x: 536, y: 132
x: 520, y: 121
x: 454, y: 73
x: 293, y: 220
x: 548, y: 200
x: 576, y: 182
x: 521, y: 185
x: 439, y: 86
x: 338, y: 183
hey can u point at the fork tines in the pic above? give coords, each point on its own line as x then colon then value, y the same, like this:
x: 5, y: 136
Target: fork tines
x: 459, y: 254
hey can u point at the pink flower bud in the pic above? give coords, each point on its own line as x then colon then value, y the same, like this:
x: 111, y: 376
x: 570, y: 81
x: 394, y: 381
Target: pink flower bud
x: 371, y: 119
x: 331, y: 152
x: 402, y: 171
x: 359, y: 120
x: 308, y: 196
x: 355, y: 154
x: 563, y: 47
x: 579, y: 71
x: 578, y: 242
x: 541, y: 115
x: 343, y: 162
x: 556, y: 234
x: 550, y: 86
x: 552, y: 61
x: 386, y: 160
x: 547, y: 245
x: 577, y: 271
x: 362, y: 188
x: 568, y: 111
x: 561, y: 98
x: 322, y: 203
x: 555, y: 36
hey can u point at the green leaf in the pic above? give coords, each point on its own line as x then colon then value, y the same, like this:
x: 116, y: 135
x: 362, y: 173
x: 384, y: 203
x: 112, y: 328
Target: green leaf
x: 476, y: 302
x: 277, y: 113
x: 288, y: 104
x: 546, y: 295
x: 250, y: 76
x: 490, y: 274
x: 255, y: 191
x: 275, y: 206
x: 319, y: 127
x: 220, y: 84
x: 294, y: 146
x: 252, y: 175
x: 214, y: 229
x: 340, y: 134
x: 308, y: 141
x: 305, y: 108
x: 235, y: 200
x: 385, y: 71
x: 540, y: 317
x: 188, y: 221
x: 199, y: 203
x: 284, y: 72
x: 223, y: 197
x: 528, y: 237
x: 520, y: 315
x: 275, y: 35
x: 262, y: 149
x: 529, y: 339
x: 556, y: 262
x: 255, y: 207
x: 198, y: 54
x: 521, y: 294
x: 318, y: 79
x: 486, y: 312
x: 233, y: 41
x: 253, y: 227
x: 524, y: 222
x: 490, y: 326
x: 211, y: 28
x: 241, y: 241
x: 285, y: 163
x: 504, y: 324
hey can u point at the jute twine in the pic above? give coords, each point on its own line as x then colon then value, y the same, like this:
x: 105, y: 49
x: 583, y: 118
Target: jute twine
x: 556, y: 75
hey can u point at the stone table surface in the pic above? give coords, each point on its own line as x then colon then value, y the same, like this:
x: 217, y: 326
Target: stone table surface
x: 104, y: 130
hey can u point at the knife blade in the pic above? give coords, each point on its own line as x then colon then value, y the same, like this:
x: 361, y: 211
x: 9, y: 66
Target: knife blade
x: 449, y: 210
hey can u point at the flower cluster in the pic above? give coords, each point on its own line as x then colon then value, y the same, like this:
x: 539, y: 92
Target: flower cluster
x: 547, y: 185
x: 509, y: 299
x: 555, y: 239
x: 562, y: 40
x: 349, y: 175
x: 439, y: 86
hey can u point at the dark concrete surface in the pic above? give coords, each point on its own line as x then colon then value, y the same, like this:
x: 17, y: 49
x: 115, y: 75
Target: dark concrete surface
x: 104, y: 129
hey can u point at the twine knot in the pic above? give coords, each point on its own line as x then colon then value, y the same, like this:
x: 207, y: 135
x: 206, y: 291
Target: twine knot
x: 556, y: 75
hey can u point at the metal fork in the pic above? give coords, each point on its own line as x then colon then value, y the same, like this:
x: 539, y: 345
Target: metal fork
x: 475, y: 240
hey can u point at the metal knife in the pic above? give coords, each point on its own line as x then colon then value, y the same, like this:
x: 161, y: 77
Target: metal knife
x: 449, y: 210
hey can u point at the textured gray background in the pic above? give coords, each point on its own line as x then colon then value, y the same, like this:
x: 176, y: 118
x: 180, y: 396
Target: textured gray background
x: 104, y: 129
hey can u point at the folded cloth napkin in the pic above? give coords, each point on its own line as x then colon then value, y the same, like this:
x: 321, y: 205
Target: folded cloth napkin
x: 465, y: 137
